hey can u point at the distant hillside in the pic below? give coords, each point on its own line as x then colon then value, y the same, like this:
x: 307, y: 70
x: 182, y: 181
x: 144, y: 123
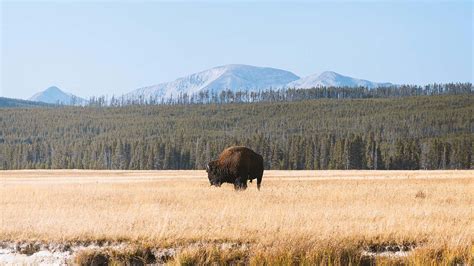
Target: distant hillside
x: 422, y: 132
x: 9, y: 102
x: 54, y: 95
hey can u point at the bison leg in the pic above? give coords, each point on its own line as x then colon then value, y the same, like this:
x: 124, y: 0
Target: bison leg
x: 240, y: 184
x: 236, y: 186
x: 259, y: 181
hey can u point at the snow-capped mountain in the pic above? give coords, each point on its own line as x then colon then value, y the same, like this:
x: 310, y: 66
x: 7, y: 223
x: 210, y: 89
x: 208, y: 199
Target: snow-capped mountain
x: 56, y: 96
x: 333, y: 79
x: 232, y: 77
x: 228, y: 77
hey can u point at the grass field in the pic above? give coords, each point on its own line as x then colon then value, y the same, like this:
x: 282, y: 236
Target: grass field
x: 340, y: 217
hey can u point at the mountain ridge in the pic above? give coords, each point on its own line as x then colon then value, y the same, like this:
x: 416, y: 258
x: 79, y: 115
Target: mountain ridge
x: 234, y: 77
x: 12, y: 103
x: 239, y: 77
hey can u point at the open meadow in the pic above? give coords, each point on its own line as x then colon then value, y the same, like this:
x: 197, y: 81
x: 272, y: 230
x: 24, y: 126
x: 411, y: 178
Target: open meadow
x: 176, y: 217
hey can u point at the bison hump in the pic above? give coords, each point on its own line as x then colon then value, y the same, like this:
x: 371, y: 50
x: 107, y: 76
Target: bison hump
x: 235, y: 151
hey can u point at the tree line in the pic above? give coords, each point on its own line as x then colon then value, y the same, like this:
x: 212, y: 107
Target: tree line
x: 283, y: 95
x: 421, y: 132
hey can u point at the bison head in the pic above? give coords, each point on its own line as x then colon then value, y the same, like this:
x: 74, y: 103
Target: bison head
x: 212, y: 170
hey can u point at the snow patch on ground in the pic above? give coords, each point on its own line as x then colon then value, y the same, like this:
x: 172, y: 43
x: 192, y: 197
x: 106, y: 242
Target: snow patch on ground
x: 389, y: 251
x: 37, y: 253
x: 43, y: 254
x: 63, y: 254
x: 43, y: 257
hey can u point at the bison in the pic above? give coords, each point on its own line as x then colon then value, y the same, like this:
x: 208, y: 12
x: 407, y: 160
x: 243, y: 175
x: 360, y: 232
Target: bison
x: 236, y: 165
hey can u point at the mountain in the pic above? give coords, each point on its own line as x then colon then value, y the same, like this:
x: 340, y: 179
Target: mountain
x: 54, y: 95
x: 232, y: 77
x: 9, y: 102
x: 333, y: 79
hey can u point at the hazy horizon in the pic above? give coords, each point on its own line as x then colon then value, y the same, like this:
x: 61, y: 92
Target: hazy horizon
x: 113, y: 48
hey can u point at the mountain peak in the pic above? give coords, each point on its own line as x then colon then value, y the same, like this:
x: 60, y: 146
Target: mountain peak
x: 333, y: 79
x: 329, y: 74
x: 53, y: 89
x: 55, y: 95
x: 235, y: 66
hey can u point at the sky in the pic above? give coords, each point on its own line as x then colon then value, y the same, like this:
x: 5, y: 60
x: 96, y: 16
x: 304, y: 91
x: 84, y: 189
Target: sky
x: 113, y: 47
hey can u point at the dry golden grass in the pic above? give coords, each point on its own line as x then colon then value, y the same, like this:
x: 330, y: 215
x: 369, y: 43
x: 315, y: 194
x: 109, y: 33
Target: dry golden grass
x: 298, y: 216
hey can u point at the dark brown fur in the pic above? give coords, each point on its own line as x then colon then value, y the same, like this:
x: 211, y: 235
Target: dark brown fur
x: 236, y: 165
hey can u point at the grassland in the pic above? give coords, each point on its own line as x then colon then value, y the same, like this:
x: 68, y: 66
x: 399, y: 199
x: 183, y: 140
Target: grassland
x: 304, y: 217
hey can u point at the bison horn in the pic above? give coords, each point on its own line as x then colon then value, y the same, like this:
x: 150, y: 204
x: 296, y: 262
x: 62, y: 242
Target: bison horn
x: 207, y: 167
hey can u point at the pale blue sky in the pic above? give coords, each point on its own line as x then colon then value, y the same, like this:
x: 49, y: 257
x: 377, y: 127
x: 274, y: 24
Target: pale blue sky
x: 97, y: 48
